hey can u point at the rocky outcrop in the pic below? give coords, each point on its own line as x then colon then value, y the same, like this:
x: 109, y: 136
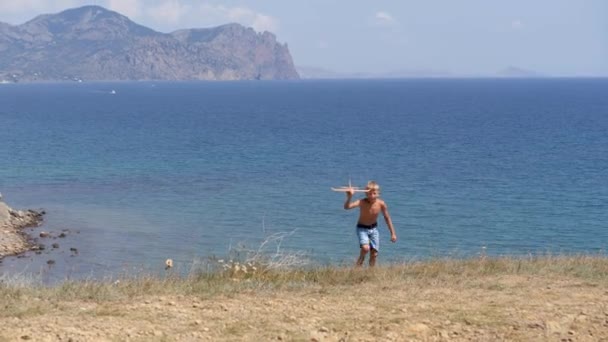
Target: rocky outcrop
x: 93, y: 43
x: 12, y: 222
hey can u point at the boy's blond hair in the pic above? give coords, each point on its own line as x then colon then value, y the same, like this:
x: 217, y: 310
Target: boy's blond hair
x: 372, y: 185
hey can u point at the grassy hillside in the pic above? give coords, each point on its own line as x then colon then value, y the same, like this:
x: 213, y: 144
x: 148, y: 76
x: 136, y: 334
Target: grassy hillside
x: 548, y: 298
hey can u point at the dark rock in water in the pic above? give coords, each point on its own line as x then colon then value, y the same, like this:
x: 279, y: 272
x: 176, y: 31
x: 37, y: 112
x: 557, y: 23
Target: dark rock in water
x: 50, y: 262
x: 93, y: 43
x: 62, y: 235
x: 55, y: 245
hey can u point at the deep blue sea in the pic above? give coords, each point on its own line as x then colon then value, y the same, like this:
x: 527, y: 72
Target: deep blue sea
x: 190, y: 171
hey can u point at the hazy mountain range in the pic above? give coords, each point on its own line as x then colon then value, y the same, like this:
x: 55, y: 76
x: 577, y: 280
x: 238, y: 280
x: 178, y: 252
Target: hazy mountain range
x: 93, y: 43
x: 307, y: 72
x: 315, y: 72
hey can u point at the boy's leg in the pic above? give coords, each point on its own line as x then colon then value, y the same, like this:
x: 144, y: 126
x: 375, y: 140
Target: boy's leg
x: 364, y: 244
x: 372, y: 257
x: 374, y: 238
x: 364, y: 250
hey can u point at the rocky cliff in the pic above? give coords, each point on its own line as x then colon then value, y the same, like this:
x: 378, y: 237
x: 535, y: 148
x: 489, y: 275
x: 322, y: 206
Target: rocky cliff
x: 12, y: 238
x: 93, y: 43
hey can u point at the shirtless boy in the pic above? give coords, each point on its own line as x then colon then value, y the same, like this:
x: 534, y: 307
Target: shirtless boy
x: 367, y: 231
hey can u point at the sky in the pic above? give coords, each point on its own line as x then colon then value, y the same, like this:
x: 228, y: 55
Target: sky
x: 464, y: 37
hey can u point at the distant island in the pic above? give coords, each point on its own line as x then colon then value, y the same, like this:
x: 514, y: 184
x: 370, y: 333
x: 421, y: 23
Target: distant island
x: 310, y: 72
x: 512, y: 71
x: 93, y: 43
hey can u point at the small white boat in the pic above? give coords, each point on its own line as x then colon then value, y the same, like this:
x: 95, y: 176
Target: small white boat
x: 113, y: 91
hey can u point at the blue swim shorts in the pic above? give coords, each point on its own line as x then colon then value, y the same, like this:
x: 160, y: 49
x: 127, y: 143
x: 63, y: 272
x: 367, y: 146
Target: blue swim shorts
x: 369, y: 237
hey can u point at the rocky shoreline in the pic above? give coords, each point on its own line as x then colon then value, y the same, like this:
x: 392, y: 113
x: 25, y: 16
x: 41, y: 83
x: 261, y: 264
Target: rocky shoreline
x: 13, y: 240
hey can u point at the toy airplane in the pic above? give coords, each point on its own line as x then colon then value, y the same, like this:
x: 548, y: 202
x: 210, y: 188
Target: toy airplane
x: 349, y: 187
x: 346, y: 188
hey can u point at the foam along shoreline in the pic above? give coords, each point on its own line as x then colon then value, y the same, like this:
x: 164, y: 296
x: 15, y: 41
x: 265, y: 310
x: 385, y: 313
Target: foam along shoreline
x: 13, y: 239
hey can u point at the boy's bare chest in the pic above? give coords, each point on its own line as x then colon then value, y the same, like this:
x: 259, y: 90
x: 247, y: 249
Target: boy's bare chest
x: 370, y: 208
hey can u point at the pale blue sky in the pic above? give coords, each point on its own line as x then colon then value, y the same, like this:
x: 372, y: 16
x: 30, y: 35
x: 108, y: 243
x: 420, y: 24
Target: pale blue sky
x: 466, y: 37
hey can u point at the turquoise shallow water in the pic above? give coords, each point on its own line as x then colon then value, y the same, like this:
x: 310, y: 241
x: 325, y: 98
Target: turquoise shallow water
x: 190, y: 170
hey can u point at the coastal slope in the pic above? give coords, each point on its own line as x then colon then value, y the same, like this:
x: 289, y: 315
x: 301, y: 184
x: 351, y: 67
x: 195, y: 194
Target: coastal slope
x: 547, y: 299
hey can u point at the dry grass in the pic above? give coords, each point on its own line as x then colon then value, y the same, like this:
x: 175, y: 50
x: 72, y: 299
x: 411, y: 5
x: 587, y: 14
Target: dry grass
x: 231, y: 277
x: 531, y: 298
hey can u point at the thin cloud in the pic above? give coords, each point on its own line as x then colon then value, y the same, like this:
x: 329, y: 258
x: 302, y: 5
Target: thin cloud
x: 11, y: 6
x: 242, y: 15
x: 9, y: 9
x: 169, y: 12
x: 384, y: 19
x: 172, y: 13
x: 517, y: 25
x: 130, y: 8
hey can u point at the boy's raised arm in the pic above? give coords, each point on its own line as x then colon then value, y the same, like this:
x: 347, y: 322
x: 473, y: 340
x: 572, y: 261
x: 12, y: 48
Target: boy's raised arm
x: 348, y: 204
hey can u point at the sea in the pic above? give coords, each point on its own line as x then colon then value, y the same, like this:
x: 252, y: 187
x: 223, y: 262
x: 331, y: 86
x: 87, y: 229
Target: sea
x: 135, y: 173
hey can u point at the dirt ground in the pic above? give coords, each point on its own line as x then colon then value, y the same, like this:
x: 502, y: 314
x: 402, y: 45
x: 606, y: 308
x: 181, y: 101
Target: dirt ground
x: 493, y: 308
